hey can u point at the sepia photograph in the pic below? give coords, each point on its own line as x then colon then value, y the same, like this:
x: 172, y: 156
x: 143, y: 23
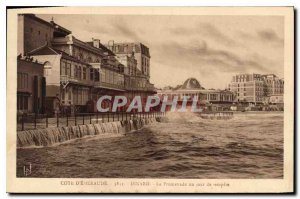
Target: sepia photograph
x: 151, y: 99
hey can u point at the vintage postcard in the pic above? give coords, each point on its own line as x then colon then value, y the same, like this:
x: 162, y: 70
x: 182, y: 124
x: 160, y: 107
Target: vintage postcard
x: 150, y: 100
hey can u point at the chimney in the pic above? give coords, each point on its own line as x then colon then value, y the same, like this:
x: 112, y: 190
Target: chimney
x: 111, y: 44
x: 96, y: 43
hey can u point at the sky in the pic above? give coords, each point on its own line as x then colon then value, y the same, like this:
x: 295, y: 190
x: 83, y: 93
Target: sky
x: 209, y: 48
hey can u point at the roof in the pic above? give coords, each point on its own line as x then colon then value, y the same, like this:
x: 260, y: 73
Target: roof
x: 32, y: 16
x: 87, y: 46
x: 101, y: 46
x: 60, y: 28
x: 30, y: 60
x: 52, y: 24
x: 136, y: 47
x: 47, y: 50
x: 191, y: 83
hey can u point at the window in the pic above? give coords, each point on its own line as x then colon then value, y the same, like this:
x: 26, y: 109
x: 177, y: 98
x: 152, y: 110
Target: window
x: 47, y: 71
x: 75, y: 96
x: 19, y: 77
x: 68, y: 69
x: 79, y: 72
x: 22, y: 102
x: 69, y: 95
x: 75, y: 71
x: 97, y: 78
x: 80, y: 56
x: 26, y: 81
x: 91, y: 74
x: 79, y: 96
x: 106, y: 76
x: 110, y: 77
x: 25, y: 102
x: 84, y: 73
x: 22, y: 80
x: 62, y: 68
x: 31, y: 30
x: 63, y: 96
x: 103, y: 75
x: 39, y: 32
x: 214, y: 96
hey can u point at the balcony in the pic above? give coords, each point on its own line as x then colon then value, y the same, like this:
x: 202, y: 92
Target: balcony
x: 147, y: 88
x: 137, y: 83
x: 65, y: 79
x: 110, y: 86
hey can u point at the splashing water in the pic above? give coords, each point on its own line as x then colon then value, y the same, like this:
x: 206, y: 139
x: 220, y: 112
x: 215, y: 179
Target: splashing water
x: 183, y: 146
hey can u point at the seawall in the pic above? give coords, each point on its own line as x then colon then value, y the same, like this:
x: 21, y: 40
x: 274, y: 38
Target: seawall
x: 55, y: 135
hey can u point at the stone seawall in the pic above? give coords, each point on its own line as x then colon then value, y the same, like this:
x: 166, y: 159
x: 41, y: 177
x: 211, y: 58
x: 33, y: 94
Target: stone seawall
x: 51, y: 136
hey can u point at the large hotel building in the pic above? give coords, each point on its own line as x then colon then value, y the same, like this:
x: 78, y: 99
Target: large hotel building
x: 257, y: 88
x: 77, y: 73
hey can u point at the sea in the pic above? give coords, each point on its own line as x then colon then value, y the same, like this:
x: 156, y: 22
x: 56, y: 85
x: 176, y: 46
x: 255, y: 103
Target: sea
x: 183, y: 145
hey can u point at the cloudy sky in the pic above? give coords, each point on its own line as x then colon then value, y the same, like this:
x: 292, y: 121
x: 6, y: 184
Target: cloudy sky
x: 209, y: 48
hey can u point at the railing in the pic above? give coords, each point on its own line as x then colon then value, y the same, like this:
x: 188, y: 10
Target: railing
x: 66, y: 78
x: 147, y: 87
x: 41, y: 121
x: 109, y: 85
x: 139, y: 88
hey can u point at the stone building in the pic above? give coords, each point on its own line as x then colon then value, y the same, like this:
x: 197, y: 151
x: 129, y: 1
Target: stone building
x: 141, y: 54
x: 30, y: 86
x: 135, y: 57
x: 136, y: 84
x: 67, y: 77
x: 106, y: 73
x: 34, y: 32
x: 273, y: 85
x: 77, y: 73
x: 256, y: 88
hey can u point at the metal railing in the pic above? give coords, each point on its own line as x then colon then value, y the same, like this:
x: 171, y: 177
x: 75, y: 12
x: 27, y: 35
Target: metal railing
x: 109, y: 85
x: 41, y: 121
x: 66, y: 78
x: 148, y: 87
